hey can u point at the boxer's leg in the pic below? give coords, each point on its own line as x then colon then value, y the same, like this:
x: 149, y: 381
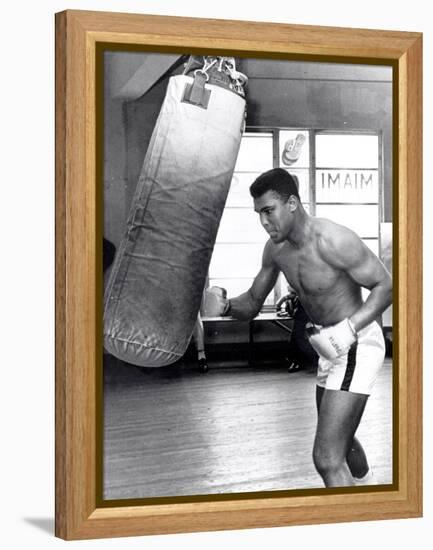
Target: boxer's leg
x: 356, y: 458
x: 339, y: 416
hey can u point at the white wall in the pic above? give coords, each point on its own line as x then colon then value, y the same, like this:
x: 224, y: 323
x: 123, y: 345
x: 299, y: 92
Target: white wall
x: 27, y: 273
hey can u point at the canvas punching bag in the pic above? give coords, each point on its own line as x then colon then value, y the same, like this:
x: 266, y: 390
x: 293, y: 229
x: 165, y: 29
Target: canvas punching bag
x: 155, y: 287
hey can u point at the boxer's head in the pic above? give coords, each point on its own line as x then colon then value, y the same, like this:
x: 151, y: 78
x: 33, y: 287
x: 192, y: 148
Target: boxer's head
x: 277, y: 180
x: 276, y: 200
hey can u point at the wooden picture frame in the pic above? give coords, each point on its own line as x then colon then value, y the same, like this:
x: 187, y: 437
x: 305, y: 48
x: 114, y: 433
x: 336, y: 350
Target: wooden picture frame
x: 79, y: 512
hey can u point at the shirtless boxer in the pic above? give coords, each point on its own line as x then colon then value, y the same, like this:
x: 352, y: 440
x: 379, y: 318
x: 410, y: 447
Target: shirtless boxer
x: 327, y: 265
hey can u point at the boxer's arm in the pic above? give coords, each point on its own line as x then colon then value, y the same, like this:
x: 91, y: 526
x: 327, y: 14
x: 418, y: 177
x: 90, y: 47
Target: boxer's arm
x: 346, y: 251
x: 247, y: 305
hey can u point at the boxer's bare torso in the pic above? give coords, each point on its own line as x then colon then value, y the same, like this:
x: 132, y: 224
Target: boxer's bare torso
x: 326, y: 291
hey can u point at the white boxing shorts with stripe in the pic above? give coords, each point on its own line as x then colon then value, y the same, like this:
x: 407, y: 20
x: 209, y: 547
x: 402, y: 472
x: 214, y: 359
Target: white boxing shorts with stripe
x: 357, y: 370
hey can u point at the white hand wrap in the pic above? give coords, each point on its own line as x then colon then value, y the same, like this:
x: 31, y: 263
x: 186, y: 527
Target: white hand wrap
x: 334, y: 341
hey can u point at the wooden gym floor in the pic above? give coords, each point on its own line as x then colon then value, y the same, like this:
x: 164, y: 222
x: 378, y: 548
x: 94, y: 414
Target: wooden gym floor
x: 176, y: 431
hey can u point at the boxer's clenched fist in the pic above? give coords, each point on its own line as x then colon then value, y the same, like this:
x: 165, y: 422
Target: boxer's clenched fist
x: 216, y: 303
x: 334, y: 341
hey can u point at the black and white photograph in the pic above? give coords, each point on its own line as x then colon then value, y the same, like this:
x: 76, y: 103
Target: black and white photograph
x: 247, y: 255
x: 205, y: 208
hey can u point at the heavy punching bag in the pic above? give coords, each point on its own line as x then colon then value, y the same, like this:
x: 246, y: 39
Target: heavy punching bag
x: 155, y: 287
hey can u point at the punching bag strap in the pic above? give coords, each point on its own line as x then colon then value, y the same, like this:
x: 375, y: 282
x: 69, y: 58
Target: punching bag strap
x: 218, y: 71
x: 196, y: 93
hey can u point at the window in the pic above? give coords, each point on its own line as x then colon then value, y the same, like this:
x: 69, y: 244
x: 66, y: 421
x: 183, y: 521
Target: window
x: 339, y: 178
x: 239, y: 245
x: 347, y: 183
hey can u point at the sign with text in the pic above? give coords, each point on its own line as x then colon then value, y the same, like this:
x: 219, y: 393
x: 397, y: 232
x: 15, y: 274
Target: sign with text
x: 348, y: 186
